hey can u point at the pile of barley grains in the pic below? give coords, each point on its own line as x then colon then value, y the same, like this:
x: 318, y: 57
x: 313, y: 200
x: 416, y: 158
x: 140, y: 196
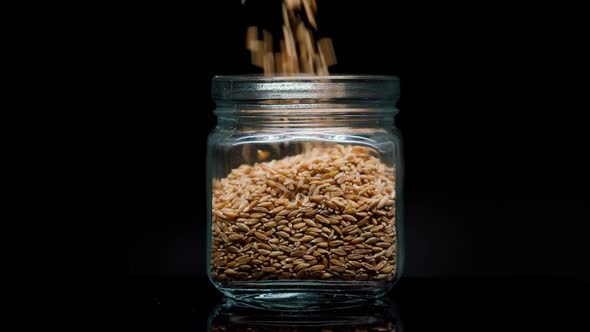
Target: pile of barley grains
x: 326, y: 214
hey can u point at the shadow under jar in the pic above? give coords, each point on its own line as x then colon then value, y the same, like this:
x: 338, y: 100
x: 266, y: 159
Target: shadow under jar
x: 304, y: 188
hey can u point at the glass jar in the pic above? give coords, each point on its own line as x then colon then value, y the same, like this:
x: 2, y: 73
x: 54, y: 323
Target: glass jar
x: 304, y: 188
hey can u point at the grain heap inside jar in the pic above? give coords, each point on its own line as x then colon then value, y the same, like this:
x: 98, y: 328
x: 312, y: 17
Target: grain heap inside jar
x: 325, y: 214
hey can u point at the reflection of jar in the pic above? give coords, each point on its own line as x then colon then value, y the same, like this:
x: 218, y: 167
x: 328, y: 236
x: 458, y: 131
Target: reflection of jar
x: 232, y: 316
x: 303, y: 183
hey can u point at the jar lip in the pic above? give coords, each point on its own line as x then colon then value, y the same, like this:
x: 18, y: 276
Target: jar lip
x: 374, y: 88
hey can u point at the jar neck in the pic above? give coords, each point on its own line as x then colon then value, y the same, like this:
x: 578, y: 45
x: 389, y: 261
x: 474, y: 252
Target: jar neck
x: 305, y: 116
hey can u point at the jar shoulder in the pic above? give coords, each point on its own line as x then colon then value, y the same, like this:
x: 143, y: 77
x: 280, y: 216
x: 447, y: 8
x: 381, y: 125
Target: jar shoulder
x: 222, y: 135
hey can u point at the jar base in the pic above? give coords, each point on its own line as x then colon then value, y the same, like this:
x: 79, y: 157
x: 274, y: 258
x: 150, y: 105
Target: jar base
x: 304, y: 295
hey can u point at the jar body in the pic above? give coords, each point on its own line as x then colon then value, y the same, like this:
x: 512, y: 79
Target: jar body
x: 304, y: 203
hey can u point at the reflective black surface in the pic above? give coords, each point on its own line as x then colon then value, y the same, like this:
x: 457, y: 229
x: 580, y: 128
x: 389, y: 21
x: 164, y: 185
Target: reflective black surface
x: 193, y: 305
x: 379, y: 315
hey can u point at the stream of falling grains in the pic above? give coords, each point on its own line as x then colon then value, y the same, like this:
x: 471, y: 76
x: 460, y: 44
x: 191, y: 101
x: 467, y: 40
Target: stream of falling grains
x: 298, y: 51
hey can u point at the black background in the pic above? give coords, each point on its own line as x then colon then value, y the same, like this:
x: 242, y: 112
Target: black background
x: 103, y: 154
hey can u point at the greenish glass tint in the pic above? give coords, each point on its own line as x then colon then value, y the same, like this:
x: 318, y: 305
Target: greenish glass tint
x: 304, y: 187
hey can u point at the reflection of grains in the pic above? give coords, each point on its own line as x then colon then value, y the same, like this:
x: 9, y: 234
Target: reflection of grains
x: 222, y: 325
x: 262, y: 155
x: 269, y: 222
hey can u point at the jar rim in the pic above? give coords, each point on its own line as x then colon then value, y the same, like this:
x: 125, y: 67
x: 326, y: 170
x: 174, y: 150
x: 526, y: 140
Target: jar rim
x: 244, y: 88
